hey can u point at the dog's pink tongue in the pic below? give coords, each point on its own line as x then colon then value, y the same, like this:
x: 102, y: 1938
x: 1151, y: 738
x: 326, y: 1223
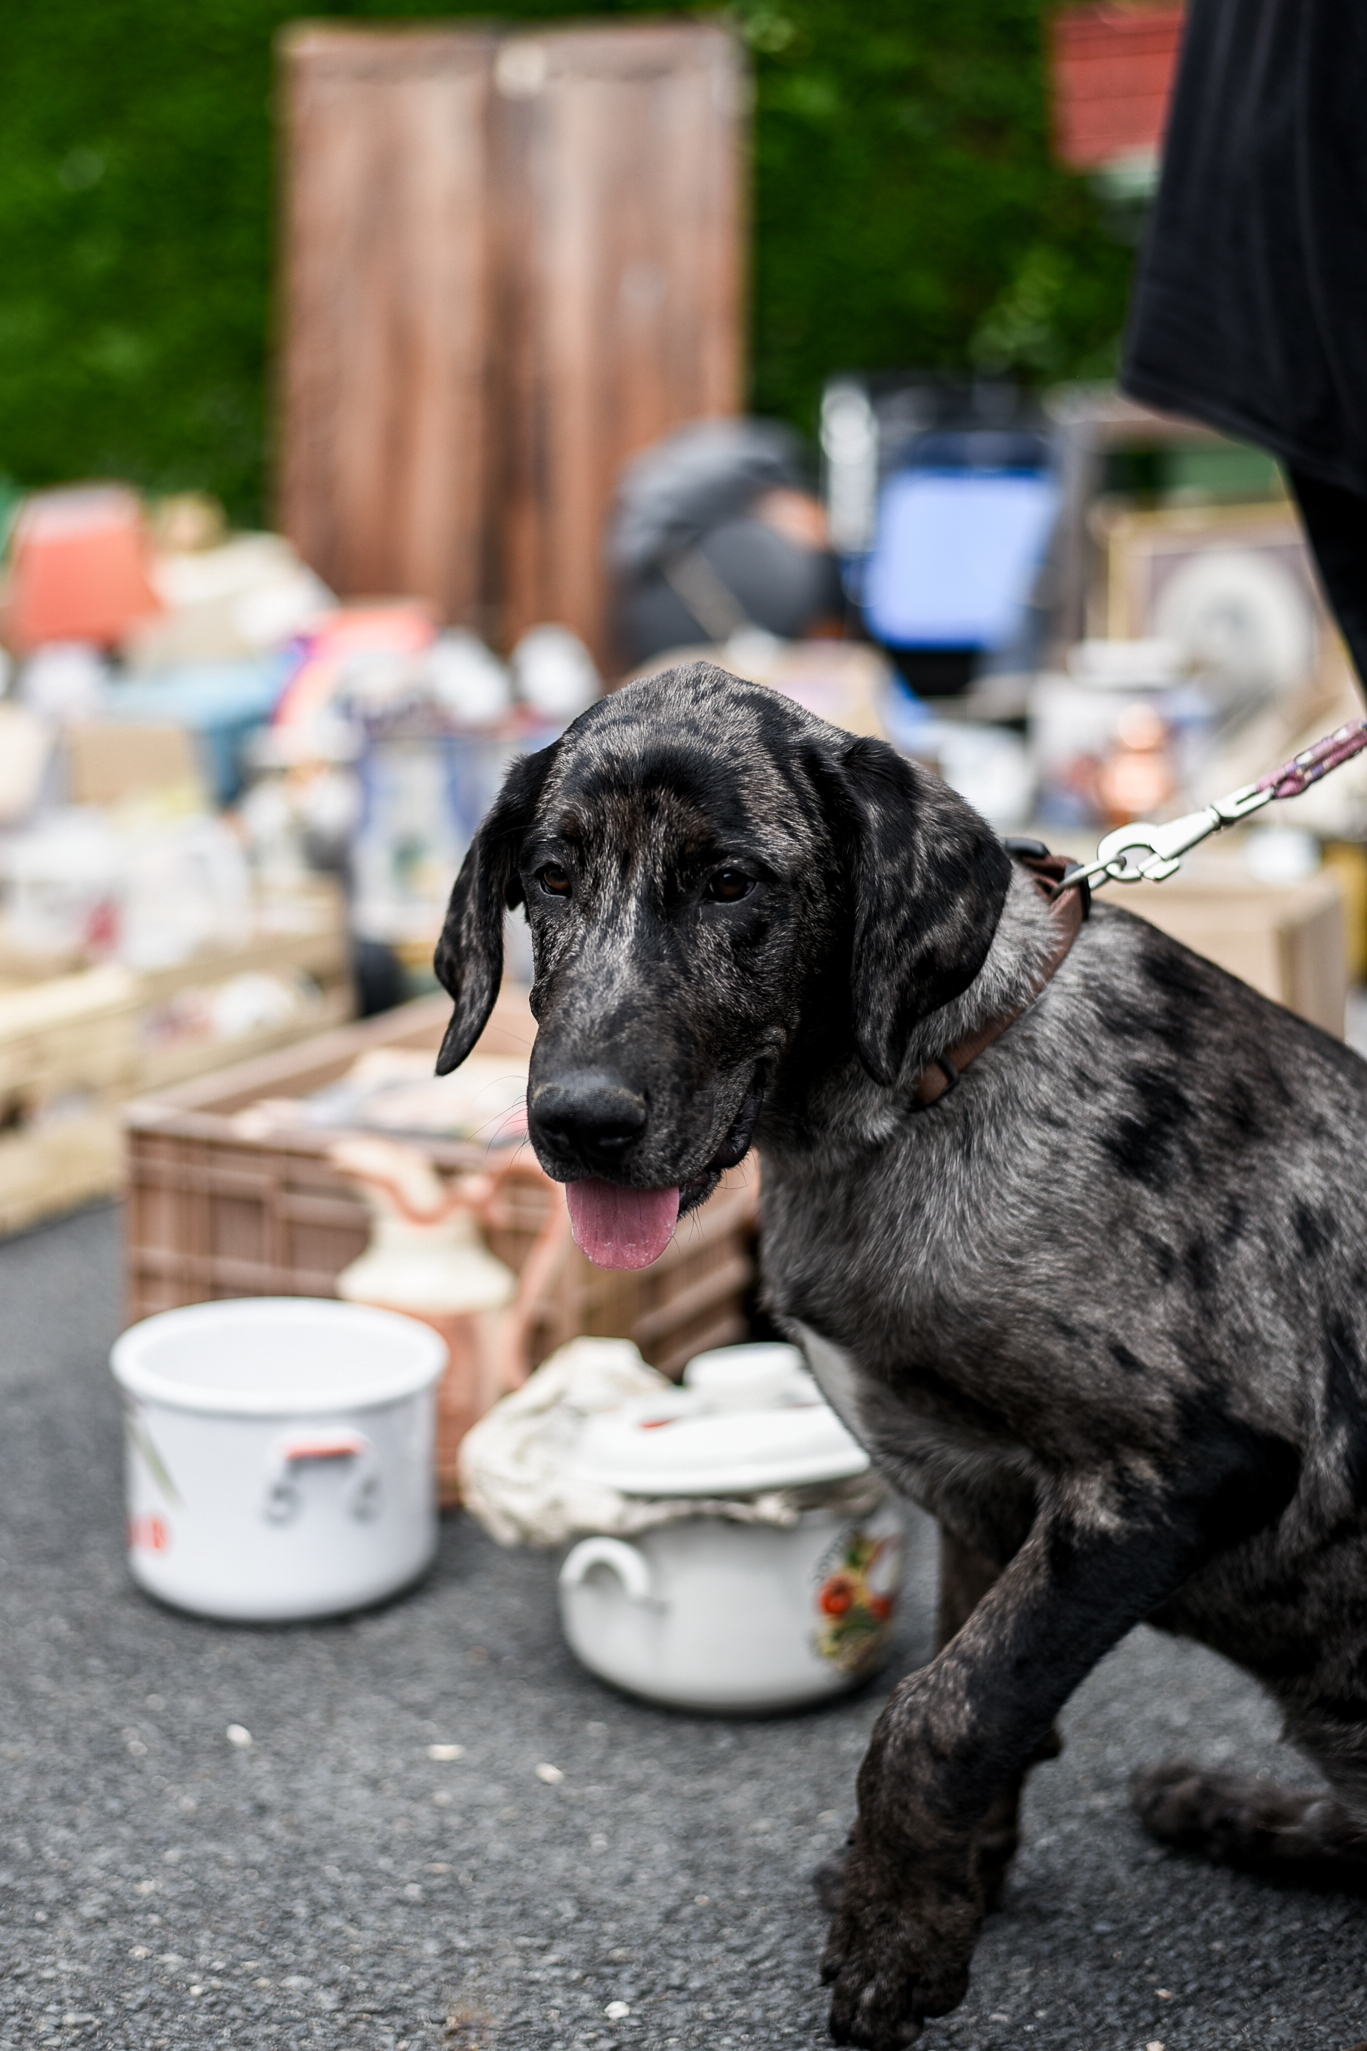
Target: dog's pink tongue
x: 621, y: 1228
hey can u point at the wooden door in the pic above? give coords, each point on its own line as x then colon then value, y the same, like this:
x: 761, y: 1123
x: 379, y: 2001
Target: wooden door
x: 620, y: 294
x: 384, y: 399
x: 510, y: 264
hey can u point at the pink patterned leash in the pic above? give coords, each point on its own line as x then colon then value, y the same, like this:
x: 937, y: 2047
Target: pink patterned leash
x: 1150, y: 854
x: 1297, y: 775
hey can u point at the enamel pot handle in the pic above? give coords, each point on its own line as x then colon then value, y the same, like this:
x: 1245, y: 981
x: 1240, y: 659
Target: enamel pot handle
x: 625, y: 1561
x: 283, y: 1498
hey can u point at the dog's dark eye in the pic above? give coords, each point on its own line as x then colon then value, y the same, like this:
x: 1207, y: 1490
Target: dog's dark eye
x: 728, y: 886
x: 554, y: 881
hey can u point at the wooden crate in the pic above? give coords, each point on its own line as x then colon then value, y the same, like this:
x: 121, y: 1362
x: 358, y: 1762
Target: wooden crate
x: 510, y: 262
x: 215, y: 1212
x: 74, y: 1050
x: 305, y: 934
x: 316, y: 944
x: 68, y: 1060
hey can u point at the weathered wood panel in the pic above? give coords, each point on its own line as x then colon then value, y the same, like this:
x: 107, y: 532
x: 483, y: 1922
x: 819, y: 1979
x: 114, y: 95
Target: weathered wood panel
x: 509, y: 265
x: 386, y: 297
x: 620, y: 180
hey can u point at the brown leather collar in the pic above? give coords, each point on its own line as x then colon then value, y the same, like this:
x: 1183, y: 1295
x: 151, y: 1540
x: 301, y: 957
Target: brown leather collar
x: 1067, y: 909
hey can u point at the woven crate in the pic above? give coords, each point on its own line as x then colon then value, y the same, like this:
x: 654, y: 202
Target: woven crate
x: 214, y: 1212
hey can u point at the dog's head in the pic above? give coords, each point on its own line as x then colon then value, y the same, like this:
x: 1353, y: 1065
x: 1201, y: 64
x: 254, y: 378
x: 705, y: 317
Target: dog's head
x: 721, y: 890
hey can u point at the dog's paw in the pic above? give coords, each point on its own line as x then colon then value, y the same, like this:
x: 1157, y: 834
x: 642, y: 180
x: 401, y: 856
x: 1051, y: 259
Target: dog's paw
x: 1239, y: 1819
x: 893, y: 1964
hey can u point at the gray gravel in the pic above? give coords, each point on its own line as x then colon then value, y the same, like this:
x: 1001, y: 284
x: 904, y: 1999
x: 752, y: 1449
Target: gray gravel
x: 330, y: 1885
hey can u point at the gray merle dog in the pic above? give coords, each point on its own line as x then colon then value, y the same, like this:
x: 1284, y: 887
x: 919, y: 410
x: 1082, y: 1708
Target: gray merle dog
x: 1102, y: 1308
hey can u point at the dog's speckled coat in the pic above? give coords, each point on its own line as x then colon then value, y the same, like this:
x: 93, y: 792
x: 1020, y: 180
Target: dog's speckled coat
x: 1103, y: 1309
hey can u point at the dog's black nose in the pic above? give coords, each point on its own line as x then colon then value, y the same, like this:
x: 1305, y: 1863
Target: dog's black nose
x: 588, y: 1114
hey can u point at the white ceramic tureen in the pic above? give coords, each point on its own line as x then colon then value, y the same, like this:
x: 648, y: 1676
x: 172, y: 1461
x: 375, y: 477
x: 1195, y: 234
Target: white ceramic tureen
x: 770, y: 1579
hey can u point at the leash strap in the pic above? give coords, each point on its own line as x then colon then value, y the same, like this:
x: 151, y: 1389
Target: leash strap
x: 1150, y: 854
x: 1069, y: 902
x: 1302, y: 770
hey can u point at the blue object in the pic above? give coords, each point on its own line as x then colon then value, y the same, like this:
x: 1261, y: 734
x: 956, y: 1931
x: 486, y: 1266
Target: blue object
x: 956, y: 555
x: 221, y: 703
x: 906, y: 717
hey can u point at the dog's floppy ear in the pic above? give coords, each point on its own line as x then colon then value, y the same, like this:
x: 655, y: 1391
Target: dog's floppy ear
x: 469, y: 956
x: 929, y: 879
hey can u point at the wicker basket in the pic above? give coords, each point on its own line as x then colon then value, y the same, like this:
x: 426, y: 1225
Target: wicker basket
x: 214, y: 1212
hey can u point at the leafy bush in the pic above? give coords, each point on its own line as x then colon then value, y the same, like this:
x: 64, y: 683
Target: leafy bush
x: 905, y: 211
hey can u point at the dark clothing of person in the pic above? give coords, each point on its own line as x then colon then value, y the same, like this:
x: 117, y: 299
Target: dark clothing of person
x: 1250, y: 304
x: 1335, y: 523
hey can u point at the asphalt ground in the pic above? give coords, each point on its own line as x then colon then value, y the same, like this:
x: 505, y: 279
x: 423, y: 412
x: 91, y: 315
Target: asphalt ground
x: 330, y: 1885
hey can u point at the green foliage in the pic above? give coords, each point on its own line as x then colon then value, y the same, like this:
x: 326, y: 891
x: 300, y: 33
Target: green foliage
x: 905, y: 212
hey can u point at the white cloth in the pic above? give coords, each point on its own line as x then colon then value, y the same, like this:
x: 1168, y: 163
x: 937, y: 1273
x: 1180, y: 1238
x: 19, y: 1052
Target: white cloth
x: 518, y: 1474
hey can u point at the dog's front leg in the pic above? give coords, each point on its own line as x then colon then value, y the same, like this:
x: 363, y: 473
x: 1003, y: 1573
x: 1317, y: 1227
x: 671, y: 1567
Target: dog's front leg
x: 957, y: 1733
x: 965, y: 1577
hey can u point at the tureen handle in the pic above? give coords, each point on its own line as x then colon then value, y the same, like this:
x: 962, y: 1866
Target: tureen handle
x: 625, y: 1561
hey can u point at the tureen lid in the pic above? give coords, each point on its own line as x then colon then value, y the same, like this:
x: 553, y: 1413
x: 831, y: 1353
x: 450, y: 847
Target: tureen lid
x: 747, y: 1418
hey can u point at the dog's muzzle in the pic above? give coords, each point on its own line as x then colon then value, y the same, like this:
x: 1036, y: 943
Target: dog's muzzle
x: 586, y: 1121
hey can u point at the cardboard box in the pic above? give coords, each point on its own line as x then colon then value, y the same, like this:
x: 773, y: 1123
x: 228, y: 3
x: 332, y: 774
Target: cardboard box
x: 1287, y: 940
x: 108, y: 763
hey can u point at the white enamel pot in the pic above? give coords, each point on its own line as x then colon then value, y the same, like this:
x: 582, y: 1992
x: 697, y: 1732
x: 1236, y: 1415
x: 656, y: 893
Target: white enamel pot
x: 279, y: 1455
x: 710, y: 1614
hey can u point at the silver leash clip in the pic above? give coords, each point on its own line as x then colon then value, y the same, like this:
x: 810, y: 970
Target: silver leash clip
x: 1150, y: 854
x: 1143, y: 853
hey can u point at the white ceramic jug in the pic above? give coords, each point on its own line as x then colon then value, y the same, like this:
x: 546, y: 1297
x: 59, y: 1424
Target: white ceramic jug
x: 427, y: 1258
